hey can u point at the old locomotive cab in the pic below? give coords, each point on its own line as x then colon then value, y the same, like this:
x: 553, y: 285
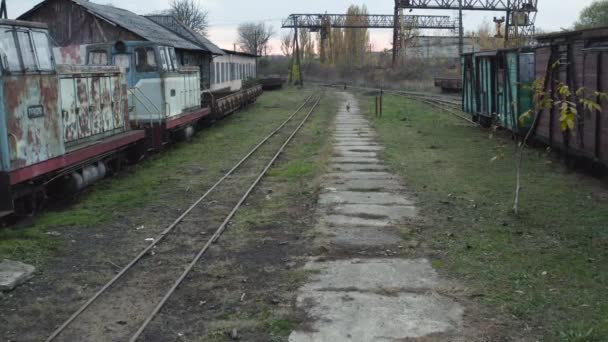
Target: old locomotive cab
x: 56, y: 121
x: 163, y: 95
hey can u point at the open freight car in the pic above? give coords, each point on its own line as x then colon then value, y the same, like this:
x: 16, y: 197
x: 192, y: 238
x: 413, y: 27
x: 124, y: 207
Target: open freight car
x: 578, y: 59
x: 62, y: 126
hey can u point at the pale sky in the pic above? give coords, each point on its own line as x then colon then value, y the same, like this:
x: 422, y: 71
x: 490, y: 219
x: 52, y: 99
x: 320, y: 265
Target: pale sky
x: 225, y: 15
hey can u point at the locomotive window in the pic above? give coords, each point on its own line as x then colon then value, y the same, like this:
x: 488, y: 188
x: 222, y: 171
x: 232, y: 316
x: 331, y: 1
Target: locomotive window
x: 27, y: 50
x: 123, y: 62
x: 145, y: 59
x: 43, y: 50
x: 163, y: 59
x: 174, y: 59
x: 9, y: 52
x: 98, y: 58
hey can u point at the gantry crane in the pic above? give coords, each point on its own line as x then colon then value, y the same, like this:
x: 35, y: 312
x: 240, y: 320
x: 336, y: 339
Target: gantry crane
x: 323, y: 23
x: 519, y: 20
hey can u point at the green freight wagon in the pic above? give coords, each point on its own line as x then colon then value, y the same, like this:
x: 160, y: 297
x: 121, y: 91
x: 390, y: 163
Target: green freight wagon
x: 485, y: 65
x: 515, y: 75
x: 469, y: 89
x: 497, y: 87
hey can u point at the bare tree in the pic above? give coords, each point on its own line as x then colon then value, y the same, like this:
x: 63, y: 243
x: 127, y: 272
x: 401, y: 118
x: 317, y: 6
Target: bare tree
x: 287, y: 43
x: 191, y: 13
x: 254, y: 37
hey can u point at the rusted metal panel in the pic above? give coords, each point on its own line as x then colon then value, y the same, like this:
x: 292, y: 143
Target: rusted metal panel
x: 71, y: 54
x: 92, y: 105
x: 30, y: 105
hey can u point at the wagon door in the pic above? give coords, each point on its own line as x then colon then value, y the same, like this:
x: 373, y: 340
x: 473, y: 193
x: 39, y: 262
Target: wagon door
x: 524, y: 99
x: 94, y: 101
x: 502, y: 91
x: 69, y: 113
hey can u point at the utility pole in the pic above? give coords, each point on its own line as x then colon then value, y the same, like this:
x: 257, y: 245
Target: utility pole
x: 300, y: 81
x: 396, y: 36
x: 460, y: 29
x: 3, y: 12
x: 507, y: 22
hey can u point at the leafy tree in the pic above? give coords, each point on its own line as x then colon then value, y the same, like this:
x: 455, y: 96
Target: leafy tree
x: 191, y: 13
x: 568, y: 102
x: 254, y: 37
x: 594, y: 15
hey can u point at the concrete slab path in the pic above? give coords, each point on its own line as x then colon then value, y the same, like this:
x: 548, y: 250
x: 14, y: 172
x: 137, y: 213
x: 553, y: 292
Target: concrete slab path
x: 362, y: 205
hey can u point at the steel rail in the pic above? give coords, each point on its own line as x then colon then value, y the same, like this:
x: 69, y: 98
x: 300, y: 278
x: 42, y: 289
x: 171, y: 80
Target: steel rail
x: 422, y: 98
x: 221, y: 228
x: 170, y: 228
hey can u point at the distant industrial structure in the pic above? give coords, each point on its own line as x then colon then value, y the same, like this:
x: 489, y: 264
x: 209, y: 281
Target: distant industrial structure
x: 438, y: 47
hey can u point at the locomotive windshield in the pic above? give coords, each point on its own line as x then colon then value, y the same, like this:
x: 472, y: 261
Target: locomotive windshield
x: 25, y: 50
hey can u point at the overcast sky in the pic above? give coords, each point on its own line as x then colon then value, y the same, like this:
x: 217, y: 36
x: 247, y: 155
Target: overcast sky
x: 225, y: 15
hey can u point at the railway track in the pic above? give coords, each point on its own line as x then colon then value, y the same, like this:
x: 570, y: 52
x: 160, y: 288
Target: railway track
x: 447, y: 103
x: 123, y: 308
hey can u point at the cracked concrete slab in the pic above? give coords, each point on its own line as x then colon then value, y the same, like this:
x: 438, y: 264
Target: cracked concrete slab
x: 362, y: 205
x: 367, y: 148
x: 354, y: 221
x: 357, y: 237
x: 372, y: 274
x: 14, y: 273
x: 363, y: 185
x: 356, y: 154
x: 357, y: 167
x: 354, y: 160
x: 395, y: 213
x: 370, y: 317
x: 360, y: 175
x: 353, y: 197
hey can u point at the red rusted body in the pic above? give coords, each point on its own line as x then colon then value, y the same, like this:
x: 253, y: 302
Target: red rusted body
x: 583, y: 62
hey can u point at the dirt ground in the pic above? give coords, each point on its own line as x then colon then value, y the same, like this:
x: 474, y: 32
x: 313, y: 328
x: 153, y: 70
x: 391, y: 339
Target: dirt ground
x: 227, y: 295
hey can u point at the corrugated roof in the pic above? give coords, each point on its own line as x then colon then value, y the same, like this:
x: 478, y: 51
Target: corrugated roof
x: 137, y: 24
x: 175, y: 25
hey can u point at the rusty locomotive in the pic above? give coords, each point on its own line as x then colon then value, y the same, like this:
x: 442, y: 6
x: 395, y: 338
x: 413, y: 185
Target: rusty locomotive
x: 65, y: 126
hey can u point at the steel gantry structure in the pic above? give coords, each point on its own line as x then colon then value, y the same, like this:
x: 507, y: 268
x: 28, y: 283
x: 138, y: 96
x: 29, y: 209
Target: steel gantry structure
x: 318, y: 22
x: 519, y: 20
x: 323, y: 23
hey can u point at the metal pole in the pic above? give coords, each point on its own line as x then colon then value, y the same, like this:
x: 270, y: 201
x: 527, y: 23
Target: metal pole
x: 396, y: 40
x: 300, y: 81
x: 507, y: 22
x: 460, y: 29
x: 3, y: 12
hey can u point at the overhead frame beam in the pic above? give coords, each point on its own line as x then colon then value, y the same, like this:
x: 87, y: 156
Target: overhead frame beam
x: 379, y: 21
x: 471, y: 5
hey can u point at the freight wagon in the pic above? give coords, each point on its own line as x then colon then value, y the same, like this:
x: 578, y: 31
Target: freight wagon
x: 497, y: 87
x: 62, y: 126
x: 578, y: 59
